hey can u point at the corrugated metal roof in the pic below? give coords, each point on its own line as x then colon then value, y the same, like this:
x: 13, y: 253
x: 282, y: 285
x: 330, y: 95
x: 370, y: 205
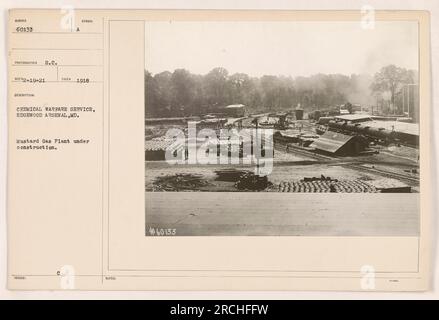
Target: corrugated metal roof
x: 354, y: 117
x: 404, y: 127
x: 235, y: 106
x: 157, y: 144
x: 231, y: 121
x: 331, y: 141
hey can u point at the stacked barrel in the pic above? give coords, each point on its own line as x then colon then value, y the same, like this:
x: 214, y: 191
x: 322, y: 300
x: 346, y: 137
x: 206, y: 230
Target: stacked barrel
x: 318, y: 186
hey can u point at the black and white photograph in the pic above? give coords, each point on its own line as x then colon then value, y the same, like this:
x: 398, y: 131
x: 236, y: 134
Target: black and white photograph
x: 292, y: 128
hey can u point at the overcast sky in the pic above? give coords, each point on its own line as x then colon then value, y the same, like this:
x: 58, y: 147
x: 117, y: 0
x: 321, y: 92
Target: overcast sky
x: 280, y: 48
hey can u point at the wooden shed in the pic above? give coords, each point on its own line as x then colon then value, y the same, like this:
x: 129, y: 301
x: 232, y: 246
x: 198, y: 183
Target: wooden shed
x: 340, y: 144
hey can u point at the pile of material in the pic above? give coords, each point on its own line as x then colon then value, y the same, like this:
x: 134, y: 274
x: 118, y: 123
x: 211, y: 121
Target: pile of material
x: 250, y: 181
x: 321, y: 178
x: 244, y: 179
x: 229, y: 175
x: 179, y: 182
x: 157, y: 144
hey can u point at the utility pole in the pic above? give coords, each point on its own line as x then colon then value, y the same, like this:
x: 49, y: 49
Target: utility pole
x: 403, y: 96
x: 408, y: 85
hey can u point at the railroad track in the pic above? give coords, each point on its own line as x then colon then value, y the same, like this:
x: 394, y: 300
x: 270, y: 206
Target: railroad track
x: 384, y: 173
x: 355, y: 166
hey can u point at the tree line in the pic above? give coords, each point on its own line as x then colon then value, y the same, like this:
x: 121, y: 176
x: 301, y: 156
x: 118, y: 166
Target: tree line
x: 394, y: 88
x: 182, y: 93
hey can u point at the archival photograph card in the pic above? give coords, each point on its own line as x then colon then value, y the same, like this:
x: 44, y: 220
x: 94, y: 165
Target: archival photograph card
x: 219, y: 150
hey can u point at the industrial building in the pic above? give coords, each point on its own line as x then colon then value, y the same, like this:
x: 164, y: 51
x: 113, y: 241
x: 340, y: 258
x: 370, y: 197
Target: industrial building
x: 340, y: 144
x: 235, y: 110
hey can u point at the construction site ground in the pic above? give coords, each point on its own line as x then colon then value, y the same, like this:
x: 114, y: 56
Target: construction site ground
x: 225, y: 210
x: 293, y: 166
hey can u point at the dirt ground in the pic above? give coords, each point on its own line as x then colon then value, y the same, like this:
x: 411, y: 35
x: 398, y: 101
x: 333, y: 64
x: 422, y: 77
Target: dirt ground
x: 287, y: 167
